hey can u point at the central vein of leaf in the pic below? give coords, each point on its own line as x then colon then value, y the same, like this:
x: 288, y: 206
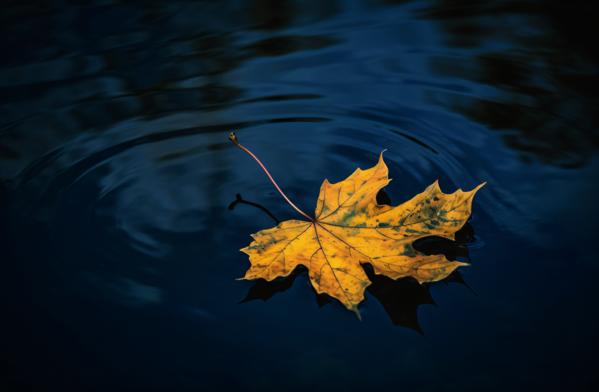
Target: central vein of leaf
x: 314, y: 223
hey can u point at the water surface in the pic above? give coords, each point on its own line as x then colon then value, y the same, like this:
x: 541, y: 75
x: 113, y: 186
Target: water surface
x: 120, y: 249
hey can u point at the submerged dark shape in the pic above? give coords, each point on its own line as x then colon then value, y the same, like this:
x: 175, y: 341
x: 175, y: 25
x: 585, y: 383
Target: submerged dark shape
x: 264, y: 290
x: 400, y: 298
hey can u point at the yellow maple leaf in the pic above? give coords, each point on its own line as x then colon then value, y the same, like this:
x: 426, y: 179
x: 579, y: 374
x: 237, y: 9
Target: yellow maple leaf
x: 350, y: 228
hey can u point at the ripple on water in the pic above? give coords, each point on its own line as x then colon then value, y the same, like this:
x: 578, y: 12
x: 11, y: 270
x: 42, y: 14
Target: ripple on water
x: 130, y: 135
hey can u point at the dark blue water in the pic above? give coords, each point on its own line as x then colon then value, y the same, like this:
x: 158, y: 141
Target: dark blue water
x: 119, y: 239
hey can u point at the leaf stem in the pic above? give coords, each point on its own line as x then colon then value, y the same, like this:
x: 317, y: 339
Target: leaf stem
x: 233, y: 138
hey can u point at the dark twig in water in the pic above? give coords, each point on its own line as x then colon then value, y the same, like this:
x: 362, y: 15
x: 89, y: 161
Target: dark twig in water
x: 239, y: 200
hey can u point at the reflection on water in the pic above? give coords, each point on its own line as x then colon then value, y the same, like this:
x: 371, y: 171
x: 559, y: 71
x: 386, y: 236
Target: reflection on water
x: 526, y: 83
x: 120, y: 254
x: 544, y: 85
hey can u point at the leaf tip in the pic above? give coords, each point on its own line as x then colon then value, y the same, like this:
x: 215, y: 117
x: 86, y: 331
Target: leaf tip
x: 381, y: 158
x: 476, y: 188
x: 482, y: 184
x: 356, y: 312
